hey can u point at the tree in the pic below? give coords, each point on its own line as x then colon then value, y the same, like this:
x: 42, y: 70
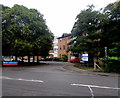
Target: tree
x: 111, y: 27
x: 25, y: 32
x: 87, y: 22
x: 95, y: 30
x: 87, y: 30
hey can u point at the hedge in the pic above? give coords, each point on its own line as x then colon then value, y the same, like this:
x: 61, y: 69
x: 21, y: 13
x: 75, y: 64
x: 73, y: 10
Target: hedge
x: 112, y: 66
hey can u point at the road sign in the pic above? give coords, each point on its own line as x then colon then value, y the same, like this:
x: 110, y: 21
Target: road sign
x: 85, y: 57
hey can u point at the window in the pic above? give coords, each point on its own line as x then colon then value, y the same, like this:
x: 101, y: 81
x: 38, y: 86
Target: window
x: 69, y: 37
x: 64, y: 39
x: 55, y: 44
x: 63, y: 47
x: 60, y: 40
x: 55, y: 49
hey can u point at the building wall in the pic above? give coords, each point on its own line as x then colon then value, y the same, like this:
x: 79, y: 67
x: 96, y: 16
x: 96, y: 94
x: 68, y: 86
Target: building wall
x: 55, y: 46
x: 54, y: 51
x: 63, y: 46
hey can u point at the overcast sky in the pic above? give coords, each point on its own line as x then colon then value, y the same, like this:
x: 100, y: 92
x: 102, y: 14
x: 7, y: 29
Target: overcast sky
x: 59, y: 14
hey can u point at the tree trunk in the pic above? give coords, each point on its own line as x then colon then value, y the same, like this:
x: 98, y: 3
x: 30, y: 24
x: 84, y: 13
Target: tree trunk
x: 28, y: 58
x: 37, y: 59
x: 15, y: 58
x: 22, y: 58
x: 33, y: 59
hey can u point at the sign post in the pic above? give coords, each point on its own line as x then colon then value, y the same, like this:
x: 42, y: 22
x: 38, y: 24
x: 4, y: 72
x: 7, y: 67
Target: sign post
x: 106, y: 52
x: 85, y: 58
x: 106, y: 56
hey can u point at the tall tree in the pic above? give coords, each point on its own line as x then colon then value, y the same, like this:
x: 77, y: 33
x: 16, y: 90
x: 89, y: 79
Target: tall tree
x: 87, y: 31
x: 111, y: 28
x: 24, y: 31
x: 95, y: 30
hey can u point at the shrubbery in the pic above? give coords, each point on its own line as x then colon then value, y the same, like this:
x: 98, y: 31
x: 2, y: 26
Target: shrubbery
x: 111, y: 65
x: 57, y: 59
x: 54, y: 59
x: 64, y: 58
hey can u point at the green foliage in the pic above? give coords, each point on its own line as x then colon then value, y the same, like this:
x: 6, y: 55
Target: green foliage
x: 65, y: 57
x: 24, y: 32
x: 95, y: 30
x: 88, y: 33
x: 60, y: 59
x: 115, y: 49
x: 57, y: 59
x: 111, y: 28
x: 87, y: 22
x: 54, y: 59
x: 114, y: 58
x: 83, y: 67
x: 112, y: 66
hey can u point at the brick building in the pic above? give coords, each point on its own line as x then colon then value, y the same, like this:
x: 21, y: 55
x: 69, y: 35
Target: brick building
x: 63, y: 45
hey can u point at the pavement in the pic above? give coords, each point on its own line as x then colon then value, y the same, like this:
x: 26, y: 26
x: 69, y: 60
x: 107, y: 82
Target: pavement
x: 70, y: 66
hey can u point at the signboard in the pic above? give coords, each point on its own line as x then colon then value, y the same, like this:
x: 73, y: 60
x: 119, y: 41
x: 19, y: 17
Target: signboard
x: 10, y: 63
x: 85, y: 57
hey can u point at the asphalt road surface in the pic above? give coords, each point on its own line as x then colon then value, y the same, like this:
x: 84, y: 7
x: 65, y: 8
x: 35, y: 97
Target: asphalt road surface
x: 52, y: 79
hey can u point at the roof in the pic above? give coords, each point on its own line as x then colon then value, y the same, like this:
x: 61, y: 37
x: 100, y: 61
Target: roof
x: 64, y: 35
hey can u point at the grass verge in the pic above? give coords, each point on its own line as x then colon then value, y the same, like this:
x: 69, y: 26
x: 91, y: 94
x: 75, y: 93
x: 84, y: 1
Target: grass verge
x: 78, y: 65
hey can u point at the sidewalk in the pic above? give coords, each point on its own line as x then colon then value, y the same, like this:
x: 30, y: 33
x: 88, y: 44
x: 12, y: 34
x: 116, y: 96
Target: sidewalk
x: 70, y: 66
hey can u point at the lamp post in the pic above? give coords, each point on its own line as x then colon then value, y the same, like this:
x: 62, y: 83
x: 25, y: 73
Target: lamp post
x: 106, y: 56
x: 106, y: 52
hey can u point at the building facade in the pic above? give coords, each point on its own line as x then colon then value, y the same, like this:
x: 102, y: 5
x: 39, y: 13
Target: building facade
x: 63, y: 45
x: 54, y: 51
x: 55, y: 46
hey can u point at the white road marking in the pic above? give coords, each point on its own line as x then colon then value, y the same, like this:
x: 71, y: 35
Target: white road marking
x: 105, y: 87
x: 20, y: 79
x: 89, y: 86
x: 91, y: 91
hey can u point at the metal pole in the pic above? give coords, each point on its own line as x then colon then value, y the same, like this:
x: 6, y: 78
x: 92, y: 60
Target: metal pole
x: 106, y: 56
x: 94, y: 65
x: 106, y: 52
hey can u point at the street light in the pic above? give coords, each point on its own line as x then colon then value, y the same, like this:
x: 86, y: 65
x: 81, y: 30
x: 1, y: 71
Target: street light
x: 106, y: 56
x: 106, y: 52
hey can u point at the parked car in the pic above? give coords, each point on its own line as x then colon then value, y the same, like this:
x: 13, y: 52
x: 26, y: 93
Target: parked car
x: 74, y: 59
x: 7, y: 58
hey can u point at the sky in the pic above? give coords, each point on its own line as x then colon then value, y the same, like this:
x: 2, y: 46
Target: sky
x: 59, y: 14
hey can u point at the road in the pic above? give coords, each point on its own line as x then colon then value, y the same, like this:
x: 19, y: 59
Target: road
x: 52, y: 79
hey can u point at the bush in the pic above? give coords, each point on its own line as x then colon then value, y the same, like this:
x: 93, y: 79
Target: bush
x: 65, y: 57
x: 54, y: 59
x: 57, y: 59
x: 60, y: 59
x: 112, y: 66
